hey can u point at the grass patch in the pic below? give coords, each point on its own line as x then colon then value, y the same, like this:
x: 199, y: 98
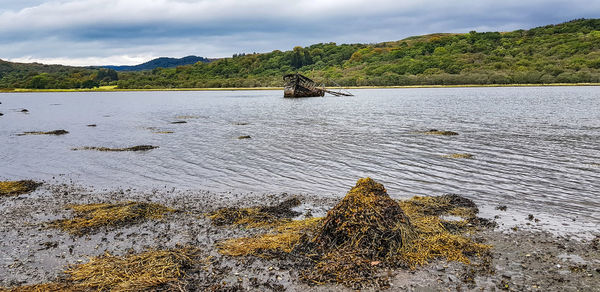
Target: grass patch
x: 90, y: 217
x: 134, y: 148
x: 262, y: 216
x: 13, y: 188
x: 55, y: 132
x: 366, y: 231
x: 150, y: 270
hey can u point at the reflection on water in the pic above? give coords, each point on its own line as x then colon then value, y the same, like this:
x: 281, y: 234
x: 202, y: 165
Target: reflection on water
x: 534, y: 148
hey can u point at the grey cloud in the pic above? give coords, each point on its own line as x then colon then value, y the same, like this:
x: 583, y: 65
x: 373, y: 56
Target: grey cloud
x: 218, y: 28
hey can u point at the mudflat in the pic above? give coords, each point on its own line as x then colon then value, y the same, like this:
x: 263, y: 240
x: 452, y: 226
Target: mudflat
x: 34, y: 252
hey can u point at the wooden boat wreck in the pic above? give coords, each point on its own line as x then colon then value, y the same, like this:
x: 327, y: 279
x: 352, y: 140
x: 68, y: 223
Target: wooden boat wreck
x: 298, y: 85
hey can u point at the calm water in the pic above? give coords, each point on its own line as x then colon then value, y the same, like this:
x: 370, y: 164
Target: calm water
x: 537, y: 149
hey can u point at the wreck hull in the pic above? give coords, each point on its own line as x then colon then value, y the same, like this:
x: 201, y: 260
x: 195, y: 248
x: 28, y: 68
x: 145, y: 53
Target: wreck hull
x: 302, y: 92
x: 297, y: 85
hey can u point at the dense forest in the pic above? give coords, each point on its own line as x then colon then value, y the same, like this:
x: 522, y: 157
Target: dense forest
x: 563, y: 53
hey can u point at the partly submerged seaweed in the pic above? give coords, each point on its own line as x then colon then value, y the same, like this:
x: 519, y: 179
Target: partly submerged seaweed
x: 92, y: 216
x: 187, y: 117
x: 13, y: 188
x: 134, y: 148
x: 459, y: 156
x: 438, y: 132
x: 55, y: 132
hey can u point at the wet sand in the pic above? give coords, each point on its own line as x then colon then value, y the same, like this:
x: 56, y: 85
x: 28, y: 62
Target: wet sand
x: 32, y: 253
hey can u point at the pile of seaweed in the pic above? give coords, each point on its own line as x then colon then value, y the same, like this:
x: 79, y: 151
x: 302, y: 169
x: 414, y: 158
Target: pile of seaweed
x: 156, y: 270
x: 134, y: 148
x: 90, y: 217
x: 55, y: 132
x: 368, y: 231
x: 13, y: 188
x: 261, y: 216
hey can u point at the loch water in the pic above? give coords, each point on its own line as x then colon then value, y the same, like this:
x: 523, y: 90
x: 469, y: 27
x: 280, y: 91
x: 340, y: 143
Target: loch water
x: 535, y: 149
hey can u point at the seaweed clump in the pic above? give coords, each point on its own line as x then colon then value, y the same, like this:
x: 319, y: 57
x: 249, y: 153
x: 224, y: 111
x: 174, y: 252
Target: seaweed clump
x: 150, y: 270
x: 134, y: 148
x: 272, y: 244
x: 440, y: 132
x: 367, y: 231
x: 438, y: 237
x: 89, y: 217
x: 55, y: 132
x: 263, y: 216
x: 367, y: 228
x: 13, y: 188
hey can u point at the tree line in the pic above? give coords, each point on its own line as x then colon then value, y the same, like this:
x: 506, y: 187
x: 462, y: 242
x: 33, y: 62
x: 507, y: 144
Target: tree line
x: 565, y: 53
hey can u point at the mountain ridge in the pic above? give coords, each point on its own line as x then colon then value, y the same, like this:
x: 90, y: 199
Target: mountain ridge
x: 162, y: 62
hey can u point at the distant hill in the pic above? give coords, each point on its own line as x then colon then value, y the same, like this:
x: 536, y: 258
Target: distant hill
x: 163, y: 62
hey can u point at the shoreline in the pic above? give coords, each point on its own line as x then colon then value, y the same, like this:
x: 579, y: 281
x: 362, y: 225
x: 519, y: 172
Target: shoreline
x: 31, y: 253
x: 114, y: 89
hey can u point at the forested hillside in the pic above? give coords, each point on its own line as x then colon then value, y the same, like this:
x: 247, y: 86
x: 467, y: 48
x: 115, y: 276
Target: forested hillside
x: 39, y: 76
x: 563, y: 53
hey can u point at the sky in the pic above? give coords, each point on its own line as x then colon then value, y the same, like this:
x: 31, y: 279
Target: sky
x: 128, y: 32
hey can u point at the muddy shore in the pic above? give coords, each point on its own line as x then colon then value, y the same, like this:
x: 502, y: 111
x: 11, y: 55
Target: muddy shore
x: 32, y: 253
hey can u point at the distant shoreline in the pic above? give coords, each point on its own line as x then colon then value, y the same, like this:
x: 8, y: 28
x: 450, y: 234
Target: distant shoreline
x: 114, y: 89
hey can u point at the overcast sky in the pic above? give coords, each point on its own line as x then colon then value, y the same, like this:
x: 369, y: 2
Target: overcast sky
x: 125, y: 32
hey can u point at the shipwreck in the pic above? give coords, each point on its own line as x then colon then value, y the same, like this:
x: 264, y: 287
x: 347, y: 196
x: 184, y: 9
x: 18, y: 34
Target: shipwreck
x: 298, y: 85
